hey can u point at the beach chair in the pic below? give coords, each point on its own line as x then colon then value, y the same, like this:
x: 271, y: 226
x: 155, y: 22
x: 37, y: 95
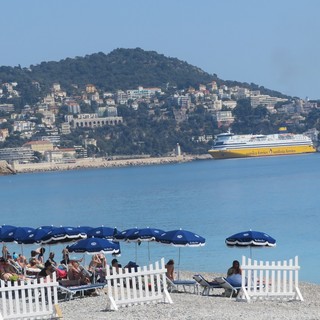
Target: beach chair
x: 173, y: 285
x: 205, y: 285
x: 71, y: 287
x: 230, y: 290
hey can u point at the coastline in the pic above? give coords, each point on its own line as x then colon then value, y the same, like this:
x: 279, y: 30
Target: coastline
x: 103, y: 163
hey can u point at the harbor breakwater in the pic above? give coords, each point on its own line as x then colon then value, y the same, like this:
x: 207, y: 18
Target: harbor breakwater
x: 103, y: 163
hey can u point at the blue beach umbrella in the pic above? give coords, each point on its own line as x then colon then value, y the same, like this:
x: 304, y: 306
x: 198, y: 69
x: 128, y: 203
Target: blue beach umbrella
x: 102, y: 232
x: 181, y: 238
x: 17, y: 234
x: 95, y: 245
x: 123, y: 235
x: 84, y: 229
x: 6, y: 232
x: 145, y: 235
x: 23, y: 235
x: 39, y: 234
x: 62, y: 235
x: 250, y: 239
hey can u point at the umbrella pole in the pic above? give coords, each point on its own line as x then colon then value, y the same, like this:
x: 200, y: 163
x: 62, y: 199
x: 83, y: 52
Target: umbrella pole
x: 136, y: 252
x: 179, y: 265
x: 149, y: 252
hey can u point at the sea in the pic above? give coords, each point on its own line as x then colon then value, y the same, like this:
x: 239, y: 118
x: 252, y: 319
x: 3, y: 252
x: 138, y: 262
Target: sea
x: 213, y: 198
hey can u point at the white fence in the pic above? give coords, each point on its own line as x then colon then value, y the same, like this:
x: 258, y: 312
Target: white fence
x: 144, y: 285
x: 270, y: 280
x: 29, y: 299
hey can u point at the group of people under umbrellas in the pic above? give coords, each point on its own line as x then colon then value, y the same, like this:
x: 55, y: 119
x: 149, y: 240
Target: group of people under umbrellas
x: 99, y: 241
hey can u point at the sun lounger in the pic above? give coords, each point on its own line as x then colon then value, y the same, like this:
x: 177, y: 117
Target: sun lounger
x: 173, y: 285
x: 71, y: 287
x: 230, y: 290
x: 205, y: 285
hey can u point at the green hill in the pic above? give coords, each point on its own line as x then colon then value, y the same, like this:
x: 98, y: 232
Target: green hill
x: 120, y: 69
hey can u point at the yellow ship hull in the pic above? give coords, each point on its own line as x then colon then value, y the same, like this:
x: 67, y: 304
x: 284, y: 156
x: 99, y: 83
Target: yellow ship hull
x: 260, y: 152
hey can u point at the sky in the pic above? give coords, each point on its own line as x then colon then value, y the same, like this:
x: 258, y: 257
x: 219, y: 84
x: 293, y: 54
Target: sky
x: 272, y: 43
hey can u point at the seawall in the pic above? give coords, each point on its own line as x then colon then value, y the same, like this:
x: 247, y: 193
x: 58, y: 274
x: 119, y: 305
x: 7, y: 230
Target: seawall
x: 102, y: 163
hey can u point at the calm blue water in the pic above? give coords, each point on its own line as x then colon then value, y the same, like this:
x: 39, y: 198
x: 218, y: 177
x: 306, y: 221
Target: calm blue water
x: 216, y: 199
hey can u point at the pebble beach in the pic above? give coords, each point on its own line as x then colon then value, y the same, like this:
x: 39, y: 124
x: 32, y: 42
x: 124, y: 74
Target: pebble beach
x: 192, y: 306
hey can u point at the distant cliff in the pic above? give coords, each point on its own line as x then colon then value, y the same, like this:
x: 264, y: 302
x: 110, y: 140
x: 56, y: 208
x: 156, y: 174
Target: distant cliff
x: 5, y: 168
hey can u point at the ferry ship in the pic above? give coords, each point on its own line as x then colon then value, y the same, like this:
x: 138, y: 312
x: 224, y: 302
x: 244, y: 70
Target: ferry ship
x: 228, y: 145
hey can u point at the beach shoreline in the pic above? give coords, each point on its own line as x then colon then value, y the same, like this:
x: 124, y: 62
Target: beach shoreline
x: 87, y: 163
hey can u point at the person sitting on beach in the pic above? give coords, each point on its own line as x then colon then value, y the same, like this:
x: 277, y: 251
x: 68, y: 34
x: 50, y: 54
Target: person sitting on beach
x: 22, y: 261
x: 5, y: 253
x: 65, y: 257
x: 7, y: 271
x: 34, y: 260
x: 115, y: 264
x: 170, y: 269
x: 234, y: 274
x: 41, y: 252
x: 95, y: 263
x: 234, y: 269
x: 75, y: 272
x: 51, y: 258
x: 98, y: 266
x: 47, y: 270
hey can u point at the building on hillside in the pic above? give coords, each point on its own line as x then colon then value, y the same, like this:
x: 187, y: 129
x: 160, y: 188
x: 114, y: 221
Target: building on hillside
x: 224, y: 118
x: 87, y: 142
x: 142, y: 93
x: 93, y: 121
x: 39, y: 146
x: 81, y: 152
x: 265, y: 100
x: 56, y: 87
x: 7, y: 107
x: 73, y: 106
x: 65, y: 128
x: 184, y: 101
x: 20, y: 155
x: 49, y: 99
x: 62, y: 155
x: 212, y: 86
x: 112, y: 111
x: 231, y: 104
x: 48, y: 118
x: 54, y: 138
x: 121, y: 97
x: 21, y: 126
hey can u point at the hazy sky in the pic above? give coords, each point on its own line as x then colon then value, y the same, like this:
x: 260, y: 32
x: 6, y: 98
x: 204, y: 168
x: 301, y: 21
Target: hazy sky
x: 273, y: 43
